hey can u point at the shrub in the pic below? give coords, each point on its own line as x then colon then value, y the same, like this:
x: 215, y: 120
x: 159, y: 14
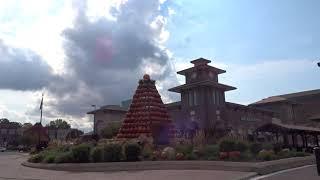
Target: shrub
x: 63, y: 148
x: 277, y: 147
x: 255, y: 148
x: 241, y: 146
x: 267, y: 146
x: 300, y: 154
x: 110, y: 130
x: 132, y: 152
x: 227, y: 145
x: 246, y: 156
x: 37, y: 158
x: 81, y: 153
x: 169, y: 153
x: 266, y: 155
x: 211, y: 151
x: 65, y: 157
x: 184, y: 149
x: 213, y: 158
x: 147, y: 152
x: 112, y: 153
x: 97, y: 154
x: 49, y: 158
x: 191, y: 156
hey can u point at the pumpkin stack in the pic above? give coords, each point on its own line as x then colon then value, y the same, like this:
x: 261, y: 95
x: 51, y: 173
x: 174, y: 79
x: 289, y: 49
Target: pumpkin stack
x: 146, y: 112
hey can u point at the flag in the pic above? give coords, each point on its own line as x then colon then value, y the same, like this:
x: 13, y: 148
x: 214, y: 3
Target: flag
x: 41, y: 103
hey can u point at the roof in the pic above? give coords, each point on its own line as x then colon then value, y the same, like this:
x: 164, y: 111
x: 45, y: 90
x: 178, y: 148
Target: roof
x: 271, y: 99
x: 109, y: 108
x: 276, y: 126
x: 202, y: 83
x: 302, y: 93
x: 315, y: 117
x: 287, y: 97
x: 244, y: 107
x: 173, y: 104
x: 192, y: 69
x: 200, y: 61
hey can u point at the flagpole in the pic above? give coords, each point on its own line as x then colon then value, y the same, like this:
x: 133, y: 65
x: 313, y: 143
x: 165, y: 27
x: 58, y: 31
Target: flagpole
x: 40, y: 125
x: 41, y: 107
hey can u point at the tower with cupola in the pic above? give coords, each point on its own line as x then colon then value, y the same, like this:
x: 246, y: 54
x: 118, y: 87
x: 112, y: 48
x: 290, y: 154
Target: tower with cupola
x: 202, y: 96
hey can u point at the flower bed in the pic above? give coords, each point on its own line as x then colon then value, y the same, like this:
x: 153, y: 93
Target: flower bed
x: 116, y: 151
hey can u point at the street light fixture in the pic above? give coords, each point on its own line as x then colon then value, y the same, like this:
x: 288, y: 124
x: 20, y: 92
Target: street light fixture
x: 318, y: 64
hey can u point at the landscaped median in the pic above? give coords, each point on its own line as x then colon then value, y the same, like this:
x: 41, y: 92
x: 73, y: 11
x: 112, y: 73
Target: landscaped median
x: 141, y: 154
x: 258, y: 167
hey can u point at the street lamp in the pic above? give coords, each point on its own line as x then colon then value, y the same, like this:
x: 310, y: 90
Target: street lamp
x: 318, y: 64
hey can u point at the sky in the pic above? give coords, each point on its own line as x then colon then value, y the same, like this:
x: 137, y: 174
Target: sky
x: 80, y: 53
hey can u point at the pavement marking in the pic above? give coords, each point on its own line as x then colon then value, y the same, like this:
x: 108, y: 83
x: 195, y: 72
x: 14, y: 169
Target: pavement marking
x: 280, y: 172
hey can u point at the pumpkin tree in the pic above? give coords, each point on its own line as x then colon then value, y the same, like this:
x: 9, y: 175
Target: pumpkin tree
x: 147, y: 115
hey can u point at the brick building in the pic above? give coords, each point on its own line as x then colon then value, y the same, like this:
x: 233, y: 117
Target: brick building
x: 108, y: 114
x: 203, y: 106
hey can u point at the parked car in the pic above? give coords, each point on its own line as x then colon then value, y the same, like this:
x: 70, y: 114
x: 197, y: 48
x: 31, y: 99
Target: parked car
x: 2, y: 149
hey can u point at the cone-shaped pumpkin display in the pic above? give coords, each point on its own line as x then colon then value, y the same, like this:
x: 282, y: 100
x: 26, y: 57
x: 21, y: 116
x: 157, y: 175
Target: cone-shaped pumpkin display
x: 147, y: 115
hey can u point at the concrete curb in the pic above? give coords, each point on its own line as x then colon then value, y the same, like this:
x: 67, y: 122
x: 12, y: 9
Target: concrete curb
x: 260, y: 168
x: 248, y: 176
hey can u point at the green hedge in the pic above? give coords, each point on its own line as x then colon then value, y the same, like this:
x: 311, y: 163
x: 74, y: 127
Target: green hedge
x: 113, y: 153
x: 132, y: 152
x: 81, y: 153
x: 211, y: 152
x: 37, y: 158
x: 227, y: 145
x: 255, y: 148
x: 65, y: 157
x: 97, y: 154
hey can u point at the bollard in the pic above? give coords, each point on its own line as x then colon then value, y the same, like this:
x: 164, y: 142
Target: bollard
x: 317, y: 154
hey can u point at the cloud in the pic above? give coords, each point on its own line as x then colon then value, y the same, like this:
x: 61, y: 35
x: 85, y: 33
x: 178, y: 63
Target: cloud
x: 22, y: 69
x: 269, y: 78
x: 105, y: 57
x: 104, y: 54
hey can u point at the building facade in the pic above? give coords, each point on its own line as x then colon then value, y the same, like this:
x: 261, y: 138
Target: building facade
x: 302, y: 108
x: 203, y: 106
x: 108, y: 114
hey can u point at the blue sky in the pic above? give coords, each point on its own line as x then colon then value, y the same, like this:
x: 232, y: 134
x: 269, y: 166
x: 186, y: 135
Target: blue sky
x: 268, y: 47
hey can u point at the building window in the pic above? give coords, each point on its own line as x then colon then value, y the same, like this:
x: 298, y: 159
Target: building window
x: 195, y: 99
x: 290, y: 112
x: 248, y: 118
x: 209, y: 96
x: 217, y: 98
x: 190, y: 98
x: 213, y: 96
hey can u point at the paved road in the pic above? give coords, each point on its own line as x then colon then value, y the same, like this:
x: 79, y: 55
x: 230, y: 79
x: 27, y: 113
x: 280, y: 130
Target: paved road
x: 10, y: 168
x: 302, y: 173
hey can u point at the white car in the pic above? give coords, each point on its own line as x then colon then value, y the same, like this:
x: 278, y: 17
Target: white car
x: 2, y: 149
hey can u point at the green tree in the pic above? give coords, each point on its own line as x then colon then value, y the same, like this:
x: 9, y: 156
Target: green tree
x: 74, y: 133
x: 110, y: 130
x: 58, y: 124
x: 27, y: 125
x: 4, y: 121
